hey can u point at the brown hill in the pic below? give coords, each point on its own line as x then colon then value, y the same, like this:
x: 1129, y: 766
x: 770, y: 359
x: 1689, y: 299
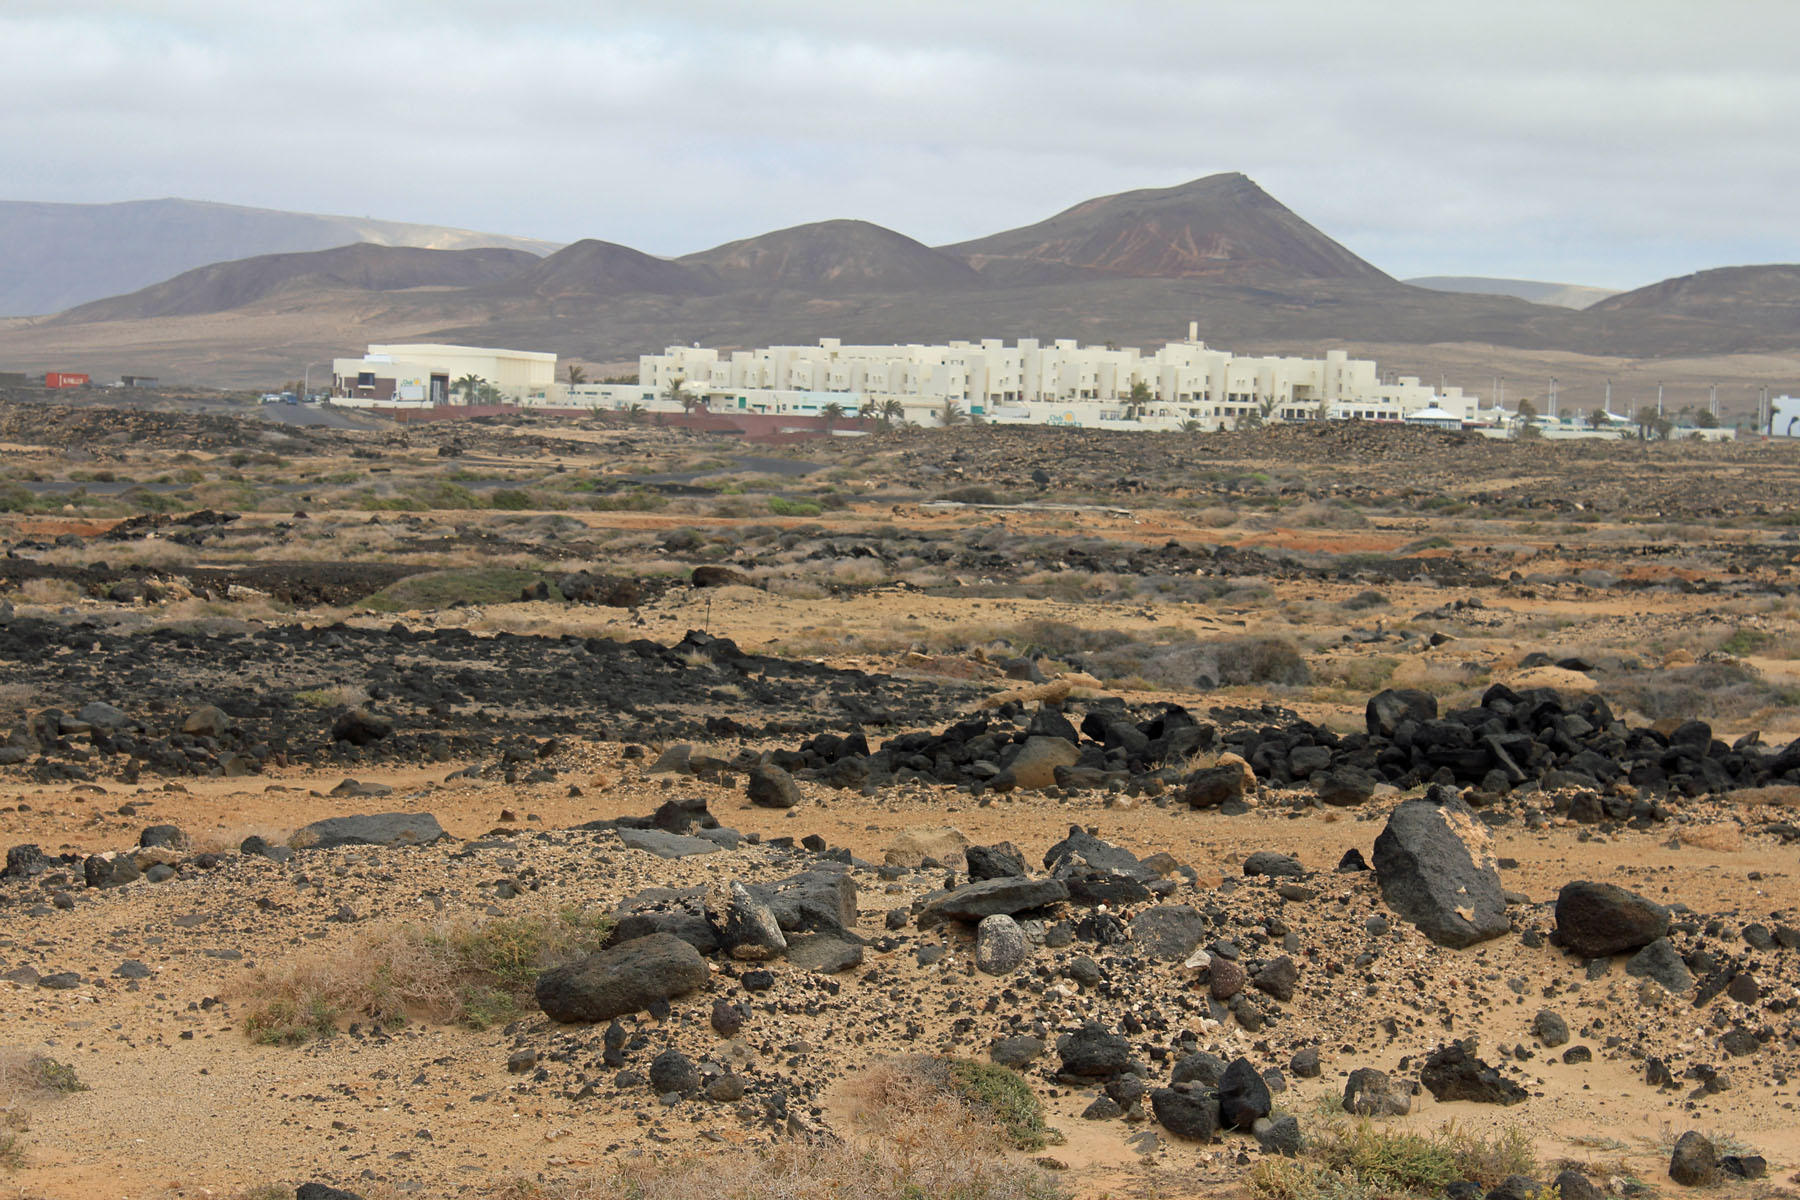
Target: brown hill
x: 223, y: 287
x: 837, y: 256
x: 594, y: 270
x: 1221, y: 227
x: 55, y: 256
x: 1761, y: 298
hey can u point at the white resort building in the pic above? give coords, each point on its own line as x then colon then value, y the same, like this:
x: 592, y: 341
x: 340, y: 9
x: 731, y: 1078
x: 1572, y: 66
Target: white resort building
x: 427, y: 374
x: 1183, y: 385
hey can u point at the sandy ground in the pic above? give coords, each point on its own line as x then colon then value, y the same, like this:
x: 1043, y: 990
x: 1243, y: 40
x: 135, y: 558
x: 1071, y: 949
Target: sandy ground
x: 180, y: 1100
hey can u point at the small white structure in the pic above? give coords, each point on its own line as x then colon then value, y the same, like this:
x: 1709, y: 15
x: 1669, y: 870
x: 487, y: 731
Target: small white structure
x: 423, y: 375
x: 1784, y: 416
x: 1434, y: 418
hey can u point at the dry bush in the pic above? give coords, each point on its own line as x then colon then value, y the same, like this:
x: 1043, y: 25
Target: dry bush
x: 1216, y: 517
x: 30, y: 1075
x: 1438, y: 677
x: 27, y: 1077
x: 859, y: 572
x: 1318, y: 515
x: 1726, y: 690
x: 1365, y: 1161
x: 1243, y: 661
x: 470, y: 973
x: 49, y: 591
x: 915, y: 1138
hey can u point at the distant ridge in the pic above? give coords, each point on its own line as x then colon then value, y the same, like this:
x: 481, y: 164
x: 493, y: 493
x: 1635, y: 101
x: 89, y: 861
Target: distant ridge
x: 835, y: 256
x: 1132, y: 269
x: 1561, y: 295
x: 56, y: 256
x: 1763, y: 298
x: 223, y: 287
x: 1221, y: 227
x: 595, y: 270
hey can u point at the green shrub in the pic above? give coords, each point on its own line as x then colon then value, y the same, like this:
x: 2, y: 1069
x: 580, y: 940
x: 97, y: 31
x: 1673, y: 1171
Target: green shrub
x: 442, y: 589
x: 974, y: 494
x: 1745, y: 641
x: 1005, y: 1097
x: 471, y: 974
x: 783, y: 507
x: 1258, y: 660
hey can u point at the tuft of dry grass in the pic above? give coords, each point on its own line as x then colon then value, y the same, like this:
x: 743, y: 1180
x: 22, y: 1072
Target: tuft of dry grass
x: 915, y: 1137
x: 27, y: 1077
x: 1361, y: 1160
x: 469, y: 973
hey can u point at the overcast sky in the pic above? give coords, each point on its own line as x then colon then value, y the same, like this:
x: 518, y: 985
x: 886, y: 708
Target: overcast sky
x: 1586, y: 141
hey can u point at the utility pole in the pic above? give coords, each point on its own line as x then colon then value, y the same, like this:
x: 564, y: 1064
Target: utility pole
x: 1659, y: 397
x: 1608, y: 404
x: 1553, y: 397
x: 1712, y: 405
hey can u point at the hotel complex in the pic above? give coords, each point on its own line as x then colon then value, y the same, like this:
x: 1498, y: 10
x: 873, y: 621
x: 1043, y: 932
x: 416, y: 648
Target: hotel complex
x: 1183, y: 385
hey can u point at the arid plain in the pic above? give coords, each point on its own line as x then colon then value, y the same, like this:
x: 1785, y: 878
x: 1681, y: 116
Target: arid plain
x: 803, y: 721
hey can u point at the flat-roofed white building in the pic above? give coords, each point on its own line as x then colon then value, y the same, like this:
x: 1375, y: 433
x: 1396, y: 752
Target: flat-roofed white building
x: 425, y: 374
x: 1185, y: 384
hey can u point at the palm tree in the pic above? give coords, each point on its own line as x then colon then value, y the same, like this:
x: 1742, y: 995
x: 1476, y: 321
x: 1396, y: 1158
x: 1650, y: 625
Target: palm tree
x: 952, y: 414
x: 833, y: 413
x: 1192, y: 426
x: 635, y: 414
x: 1138, y: 401
x: 891, y: 412
x: 677, y: 393
x: 577, y: 376
x: 1598, y: 418
x: 470, y: 386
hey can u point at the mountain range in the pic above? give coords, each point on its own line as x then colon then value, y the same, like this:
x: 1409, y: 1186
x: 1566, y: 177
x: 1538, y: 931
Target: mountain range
x: 55, y: 256
x: 1132, y: 268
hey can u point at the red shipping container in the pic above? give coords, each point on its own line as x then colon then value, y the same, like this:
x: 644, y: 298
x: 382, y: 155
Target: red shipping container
x: 64, y: 379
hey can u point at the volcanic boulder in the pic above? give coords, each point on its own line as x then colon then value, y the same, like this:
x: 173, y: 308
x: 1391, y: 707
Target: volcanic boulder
x: 1436, y: 868
x: 626, y: 978
x: 1598, y: 920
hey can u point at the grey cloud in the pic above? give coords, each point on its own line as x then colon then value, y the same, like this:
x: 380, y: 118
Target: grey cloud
x: 1608, y: 141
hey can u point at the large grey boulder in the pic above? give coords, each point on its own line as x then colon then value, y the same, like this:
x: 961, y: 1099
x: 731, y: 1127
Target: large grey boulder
x: 1243, y: 1096
x: 102, y: 715
x: 626, y: 978
x: 1435, y: 864
x: 667, y: 845
x: 1452, y: 1073
x: 1000, y: 945
x: 372, y: 829
x: 771, y: 787
x: 1093, y: 1052
x: 819, y: 900
x: 1186, y: 1112
x: 1598, y: 920
x: 1388, y: 710
x: 1096, y: 871
x: 1034, y: 767
x: 988, y: 897
x: 1660, y: 962
x: 751, y: 932
x: 1168, y: 931
x: 1372, y: 1093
